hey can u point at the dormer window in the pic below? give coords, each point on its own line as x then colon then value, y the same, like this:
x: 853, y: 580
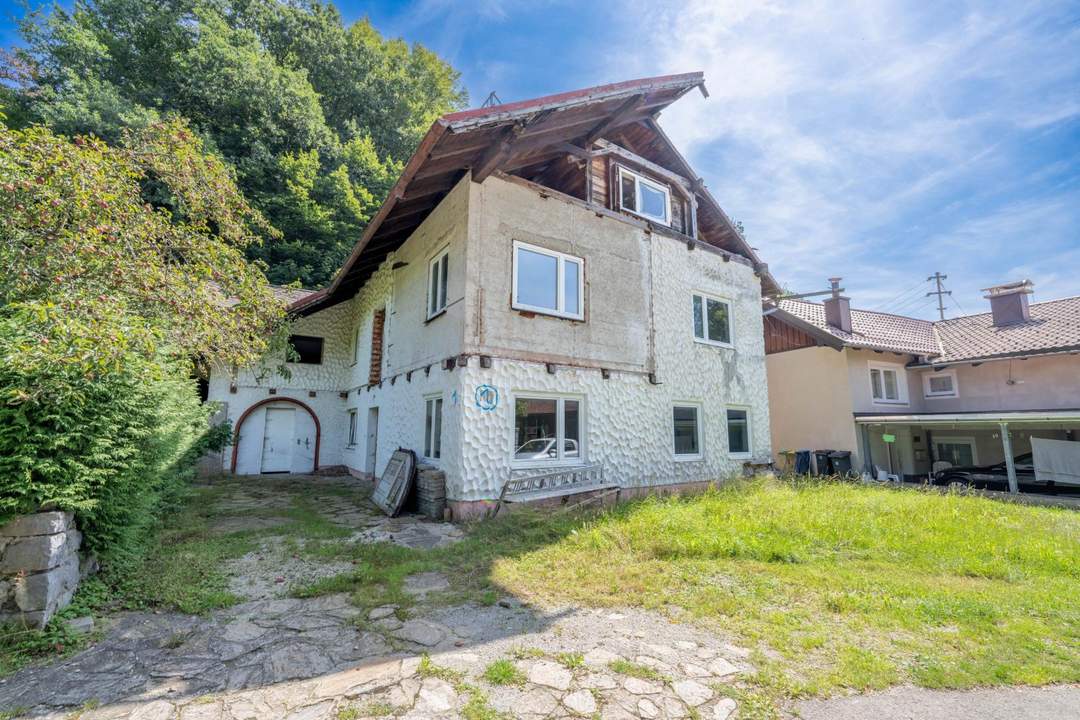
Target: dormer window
x: 644, y: 197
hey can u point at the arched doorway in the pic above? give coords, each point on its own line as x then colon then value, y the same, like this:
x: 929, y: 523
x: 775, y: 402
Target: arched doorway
x: 276, y: 435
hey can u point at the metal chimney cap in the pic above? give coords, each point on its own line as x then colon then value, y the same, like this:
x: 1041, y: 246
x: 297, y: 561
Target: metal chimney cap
x: 1023, y: 286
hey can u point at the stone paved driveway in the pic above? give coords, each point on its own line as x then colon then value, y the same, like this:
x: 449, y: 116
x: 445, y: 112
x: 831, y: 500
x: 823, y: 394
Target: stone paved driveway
x: 279, y: 657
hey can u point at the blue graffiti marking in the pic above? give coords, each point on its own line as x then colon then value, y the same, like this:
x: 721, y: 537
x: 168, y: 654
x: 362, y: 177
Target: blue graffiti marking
x: 487, y: 397
x: 454, y: 397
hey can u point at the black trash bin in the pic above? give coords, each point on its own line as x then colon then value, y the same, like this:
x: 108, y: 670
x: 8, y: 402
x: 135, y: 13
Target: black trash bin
x: 822, y: 462
x: 841, y: 462
x: 802, y: 462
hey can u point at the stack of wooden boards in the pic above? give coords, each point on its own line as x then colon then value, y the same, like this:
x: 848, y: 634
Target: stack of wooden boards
x: 431, y: 491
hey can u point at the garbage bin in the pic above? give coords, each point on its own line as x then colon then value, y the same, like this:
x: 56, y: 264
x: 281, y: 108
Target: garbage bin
x: 822, y: 462
x: 802, y: 462
x: 841, y: 462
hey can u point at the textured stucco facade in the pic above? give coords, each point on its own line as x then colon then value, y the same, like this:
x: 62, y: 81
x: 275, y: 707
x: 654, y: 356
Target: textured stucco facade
x: 627, y: 362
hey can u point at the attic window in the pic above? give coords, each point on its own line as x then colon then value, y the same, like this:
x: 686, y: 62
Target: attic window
x: 641, y: 196
x: 308, y: 349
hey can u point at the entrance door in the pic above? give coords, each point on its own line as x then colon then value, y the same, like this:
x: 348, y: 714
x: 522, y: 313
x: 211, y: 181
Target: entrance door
x: 278, y: 440
x: 372, y: 440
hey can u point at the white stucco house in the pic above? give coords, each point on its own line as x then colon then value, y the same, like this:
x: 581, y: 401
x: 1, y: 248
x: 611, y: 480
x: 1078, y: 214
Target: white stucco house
x: 548, y: 285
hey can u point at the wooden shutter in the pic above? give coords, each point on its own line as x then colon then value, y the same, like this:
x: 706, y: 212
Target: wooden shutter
x: 377, y: 324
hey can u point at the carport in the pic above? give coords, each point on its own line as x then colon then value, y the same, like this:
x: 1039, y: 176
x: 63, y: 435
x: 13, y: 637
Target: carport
x: 920, y: 451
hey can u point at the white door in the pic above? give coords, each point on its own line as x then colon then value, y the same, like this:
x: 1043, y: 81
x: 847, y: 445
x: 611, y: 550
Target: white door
x: 278, y: 440
x: 372, y: 439
x: 303, y: 457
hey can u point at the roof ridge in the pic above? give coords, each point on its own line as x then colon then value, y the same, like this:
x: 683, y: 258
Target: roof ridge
x: 863, y: 310
x: 988, y: 312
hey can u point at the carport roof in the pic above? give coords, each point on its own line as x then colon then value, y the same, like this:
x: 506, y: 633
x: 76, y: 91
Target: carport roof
x: 961, y: 418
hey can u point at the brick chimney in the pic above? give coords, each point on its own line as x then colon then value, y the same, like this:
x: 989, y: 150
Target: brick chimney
x: 838, y: 308
x: 1009, y: 302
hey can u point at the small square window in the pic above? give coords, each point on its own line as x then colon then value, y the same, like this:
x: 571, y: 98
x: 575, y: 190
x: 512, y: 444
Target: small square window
x: 437, y: 278
x: 308, y: 350
x: 433, y: 428
x: 686, y: 424
x: 738, y: 425
x: 712, y: 320
x: 644, y: 197
x: 940, y: 384
x: 548, y: 282
x: 888, y: 384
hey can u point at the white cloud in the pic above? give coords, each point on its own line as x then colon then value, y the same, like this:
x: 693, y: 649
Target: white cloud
x: 834, y: 130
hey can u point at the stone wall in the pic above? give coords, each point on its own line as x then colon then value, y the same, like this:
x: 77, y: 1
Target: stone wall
x: 39, y: 566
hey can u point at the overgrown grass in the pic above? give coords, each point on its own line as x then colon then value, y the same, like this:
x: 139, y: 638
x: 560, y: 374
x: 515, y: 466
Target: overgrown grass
x: 844, y: 585
x: 624, y: 667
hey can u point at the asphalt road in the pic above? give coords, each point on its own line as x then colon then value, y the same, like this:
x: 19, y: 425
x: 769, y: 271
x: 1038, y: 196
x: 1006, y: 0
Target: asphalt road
x: 1057, y: 702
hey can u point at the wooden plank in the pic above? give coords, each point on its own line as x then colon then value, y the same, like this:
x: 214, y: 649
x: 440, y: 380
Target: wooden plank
x: 619, y: 116
x: 396, y: 481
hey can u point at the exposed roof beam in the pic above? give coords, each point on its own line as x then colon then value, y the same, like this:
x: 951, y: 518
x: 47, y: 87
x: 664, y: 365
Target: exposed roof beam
x: 497, y: 153
x: 621, y: 114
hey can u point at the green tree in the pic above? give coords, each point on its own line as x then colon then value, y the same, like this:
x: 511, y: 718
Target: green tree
x: 106, y: 301
x: 317, y: 117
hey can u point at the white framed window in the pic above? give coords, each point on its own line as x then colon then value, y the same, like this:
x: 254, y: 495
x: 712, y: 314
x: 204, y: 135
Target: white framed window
x: 549, y: 282
x: 941, y: 384
x: 687, y: 439
x: 642, y: 196
x: 433, y: 427
x: 888, y: 384
x: 356, y: 345
x: 437, y: 275
x: 738, y: 431
x: 548, y: 429
x: 352, y: 427
x: 957, y: 451
x: 712, y: 320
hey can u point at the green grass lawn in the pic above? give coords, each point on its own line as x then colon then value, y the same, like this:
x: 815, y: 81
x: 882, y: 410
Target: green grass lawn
x: 837, y: 585
x: 832, y: 585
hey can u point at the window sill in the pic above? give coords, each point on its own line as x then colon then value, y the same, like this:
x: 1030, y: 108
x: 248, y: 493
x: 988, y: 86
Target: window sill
x: 646, y: 218
x: 541, y: 464
x: 689, y: 458
x: 891, y: 402
x: 548, y: 312
x: 941, y: 397
x: 435, y: 316
x: 741, y: 456
x: 714, y: 343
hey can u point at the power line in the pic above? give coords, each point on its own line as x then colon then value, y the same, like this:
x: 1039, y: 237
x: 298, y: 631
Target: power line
x: 893, y: 299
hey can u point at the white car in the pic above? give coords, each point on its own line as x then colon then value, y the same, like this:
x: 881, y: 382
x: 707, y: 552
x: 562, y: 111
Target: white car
x: 545, y: 449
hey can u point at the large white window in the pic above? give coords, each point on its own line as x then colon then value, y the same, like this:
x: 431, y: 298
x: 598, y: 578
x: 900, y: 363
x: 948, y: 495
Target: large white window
x: 548, y: 282
x: 547, y: 429
x: 940, y: 384
x: 738, y: 432
x: 712, y: 320
x: 888, y: 384
x: 352, y: 427
x: 687, y: 437
x: 644, y: 197
x: 437, y: 273
x: 433, y: 427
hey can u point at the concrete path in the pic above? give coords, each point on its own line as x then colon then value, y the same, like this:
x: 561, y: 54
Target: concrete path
x: 1059, y: 702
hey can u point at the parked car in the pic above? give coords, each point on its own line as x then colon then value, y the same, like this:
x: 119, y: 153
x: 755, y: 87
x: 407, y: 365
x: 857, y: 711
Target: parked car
x: 545, y: 449
x: 996, y: 477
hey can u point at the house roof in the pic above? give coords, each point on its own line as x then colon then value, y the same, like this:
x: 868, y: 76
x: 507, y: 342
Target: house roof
x: 517, y: 135
x: 870, y: 329
x: 1054, y: 327
x: 290, y: 295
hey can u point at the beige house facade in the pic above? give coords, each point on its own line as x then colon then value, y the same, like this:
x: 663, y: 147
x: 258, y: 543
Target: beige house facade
x: 908, y: 397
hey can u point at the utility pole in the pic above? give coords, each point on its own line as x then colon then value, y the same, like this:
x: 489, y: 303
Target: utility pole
x: 940, y: 292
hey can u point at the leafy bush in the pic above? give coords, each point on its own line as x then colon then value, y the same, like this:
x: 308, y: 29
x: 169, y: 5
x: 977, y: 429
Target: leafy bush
x: 120, y: 270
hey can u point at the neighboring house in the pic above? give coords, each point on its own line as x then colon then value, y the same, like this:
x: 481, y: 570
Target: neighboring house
x: 955, y: 391
x: 548, y: 285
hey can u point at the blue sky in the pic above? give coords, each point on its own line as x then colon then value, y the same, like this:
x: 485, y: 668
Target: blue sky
x: 876, y: 141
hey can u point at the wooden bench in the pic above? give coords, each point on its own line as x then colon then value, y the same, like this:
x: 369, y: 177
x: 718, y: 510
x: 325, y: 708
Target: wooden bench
x: 561, y: 482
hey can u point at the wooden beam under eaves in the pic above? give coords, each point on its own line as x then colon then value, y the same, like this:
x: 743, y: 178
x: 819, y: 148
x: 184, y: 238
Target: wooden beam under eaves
x: 497, y: 153
x: 621, y: 114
